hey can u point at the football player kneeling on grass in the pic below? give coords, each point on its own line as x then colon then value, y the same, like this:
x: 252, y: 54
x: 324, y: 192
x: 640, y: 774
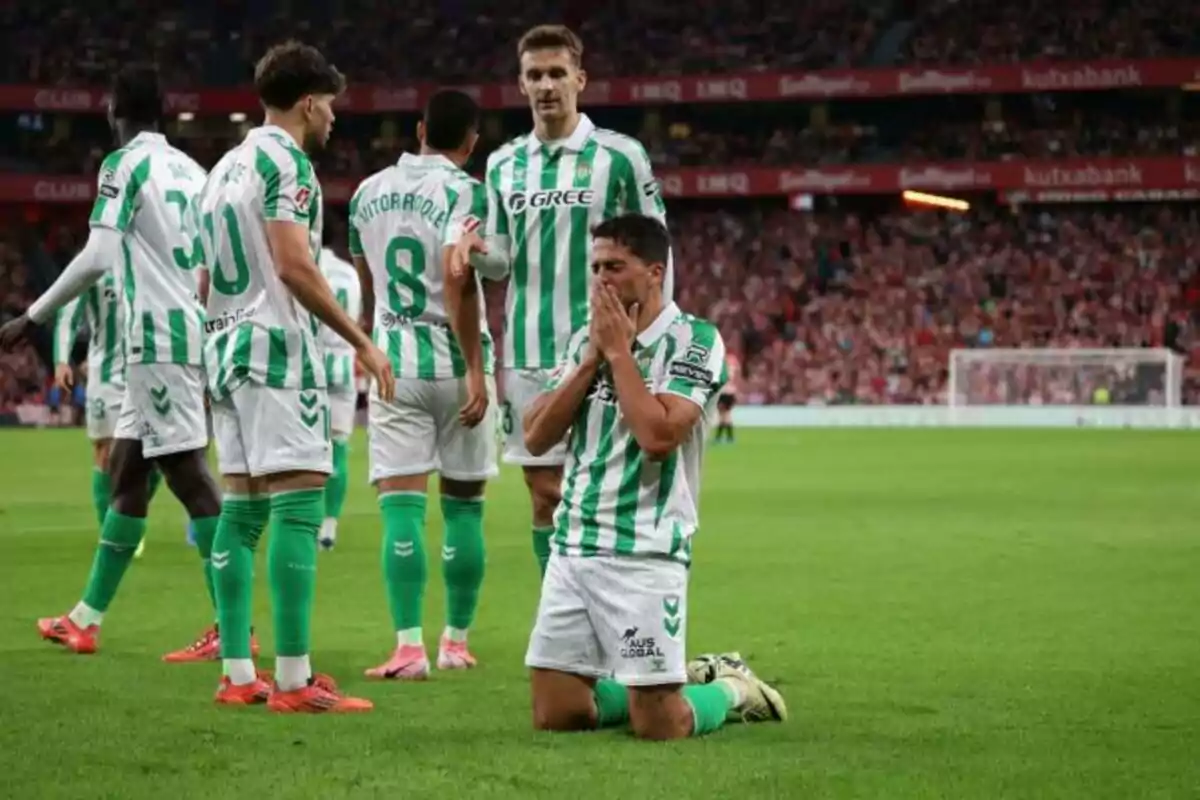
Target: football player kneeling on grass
x: 632, y: 396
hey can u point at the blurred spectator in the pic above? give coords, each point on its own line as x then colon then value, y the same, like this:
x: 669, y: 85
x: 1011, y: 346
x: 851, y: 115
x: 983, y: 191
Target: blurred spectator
x: 22, y: 374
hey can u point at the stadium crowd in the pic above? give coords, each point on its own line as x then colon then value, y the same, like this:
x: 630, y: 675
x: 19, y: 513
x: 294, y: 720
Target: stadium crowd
x: 23, y: 374
x: 683, y: 141
x: 840, y: 307
x: 212, y: 42
x: 832, y: 307
x: 986, y: 32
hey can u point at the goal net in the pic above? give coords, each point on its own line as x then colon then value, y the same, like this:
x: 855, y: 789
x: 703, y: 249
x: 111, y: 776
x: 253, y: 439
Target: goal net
x: 1145, y: 377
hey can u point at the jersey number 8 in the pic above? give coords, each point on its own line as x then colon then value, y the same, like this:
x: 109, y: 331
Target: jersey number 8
x: 405, y: 261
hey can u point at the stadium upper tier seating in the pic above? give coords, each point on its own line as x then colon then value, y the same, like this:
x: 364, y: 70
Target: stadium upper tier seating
x: 208, y: 42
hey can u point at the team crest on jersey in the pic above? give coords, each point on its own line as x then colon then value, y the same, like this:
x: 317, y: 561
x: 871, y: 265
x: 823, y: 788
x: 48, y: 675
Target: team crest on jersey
x: 583, y: 173
x: 302, y: 198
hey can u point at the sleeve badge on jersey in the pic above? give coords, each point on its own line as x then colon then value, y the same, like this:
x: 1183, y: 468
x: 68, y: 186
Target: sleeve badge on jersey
x: 650, y: 188
x: 109, y: 191
x: 302, y: 198
x: 471, y: 223
x: 696, y: 354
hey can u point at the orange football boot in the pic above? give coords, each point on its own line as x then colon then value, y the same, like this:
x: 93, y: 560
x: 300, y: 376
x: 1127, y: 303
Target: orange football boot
x: 320, y: 696
x: 61, y: 630
x: 206, y: 648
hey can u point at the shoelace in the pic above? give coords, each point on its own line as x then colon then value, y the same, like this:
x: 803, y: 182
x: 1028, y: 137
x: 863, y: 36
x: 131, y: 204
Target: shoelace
x: 204, y: 640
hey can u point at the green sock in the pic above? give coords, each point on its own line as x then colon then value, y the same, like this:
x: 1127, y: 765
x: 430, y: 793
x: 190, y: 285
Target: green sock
x: 612, y: 703
x: 541, y: 546
x: 292, y: 566
x: 238, y: 529
x: 156, y: 479
x: 335, y: 488
x: 710, y: 703
x: 101, y: 493
x: 206, y: 532
x: 119, y: 537
x: 404, y: 570
x: 462, y: 559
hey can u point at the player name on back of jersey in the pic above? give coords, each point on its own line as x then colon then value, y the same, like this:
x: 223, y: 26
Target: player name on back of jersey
x: 436, y: 214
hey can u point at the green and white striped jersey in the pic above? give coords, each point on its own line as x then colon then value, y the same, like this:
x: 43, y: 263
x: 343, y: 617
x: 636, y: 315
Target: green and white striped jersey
x: 146, y: 190
x: 615, y: 500
x: 256, y: 331
x: 401, y: 220
x: 99, y: 308
x: 339, y: 354
x: 543, y: 201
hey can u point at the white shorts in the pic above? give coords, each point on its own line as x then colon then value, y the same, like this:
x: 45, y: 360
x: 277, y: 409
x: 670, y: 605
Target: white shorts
x: 615, y: 616
x: 103, y: 406
x: 262, y: 431
x: 164, y: 408
x: 521, y: 388
x: 342, y: 405
x: 419, y: 432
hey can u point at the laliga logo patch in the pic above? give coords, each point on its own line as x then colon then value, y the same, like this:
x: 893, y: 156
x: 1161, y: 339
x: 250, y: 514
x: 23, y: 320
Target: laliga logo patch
x: 302, y: 197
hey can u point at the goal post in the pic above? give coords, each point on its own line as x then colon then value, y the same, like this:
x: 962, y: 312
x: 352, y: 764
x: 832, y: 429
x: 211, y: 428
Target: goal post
x: 1150, y: 378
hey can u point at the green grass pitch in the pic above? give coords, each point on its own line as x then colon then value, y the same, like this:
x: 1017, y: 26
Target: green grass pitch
x: 949, y: 614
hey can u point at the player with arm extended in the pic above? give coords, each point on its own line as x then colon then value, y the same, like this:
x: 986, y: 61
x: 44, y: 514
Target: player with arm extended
x: 339, y: 370
x: 633, y: 395
x: 261, y: 217
x: 404, y: 221
x: 545, y: 190
x: 99, y: 310
x: 139, y: 223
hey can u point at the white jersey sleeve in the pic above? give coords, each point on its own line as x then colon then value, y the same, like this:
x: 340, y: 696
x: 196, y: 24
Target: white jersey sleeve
x: 696, y: 368
x: 66, y: 328
x: 119, y: 188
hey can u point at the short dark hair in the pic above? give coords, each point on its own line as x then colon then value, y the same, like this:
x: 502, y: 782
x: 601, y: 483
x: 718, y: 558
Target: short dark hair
x: 551, y: 37
x: 450, y: 116
x: 291, y: 70
x: 136, y: 94
x: 645, y: 237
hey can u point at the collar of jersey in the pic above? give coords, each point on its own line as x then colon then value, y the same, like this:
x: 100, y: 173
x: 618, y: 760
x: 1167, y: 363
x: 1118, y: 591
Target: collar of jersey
x: 656, y: 329
x: 271, y: 130
x: 149, y: 136
x: 427, y: 161
x: 575, y: 142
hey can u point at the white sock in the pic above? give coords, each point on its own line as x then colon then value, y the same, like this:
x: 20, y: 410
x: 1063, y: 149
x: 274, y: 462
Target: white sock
x: 409, y: 636
x: 85, y: 616
x: 329, y: 528
x: 240, y: 671
x: 292, y: 672
x: 733, y: 689
x: 455, y: 634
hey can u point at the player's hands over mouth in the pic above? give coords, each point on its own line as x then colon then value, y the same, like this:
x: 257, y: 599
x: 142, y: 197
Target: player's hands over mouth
x: 473, y: 411
x: 376, y: 364
x: 64, y: 377
x: 613, y: 328
x: 13, y: 331
x: 470, y: 242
